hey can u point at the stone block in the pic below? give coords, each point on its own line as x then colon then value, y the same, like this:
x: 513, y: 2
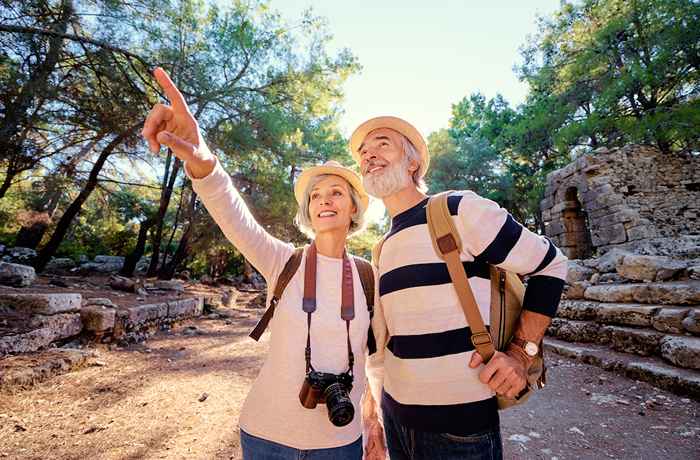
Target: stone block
x: 674, y: 292
x: 97, y: 318
x: 610, y: 234
x: 60, y: 263
x: 44, y: 330
x: 185, y: 307
x: 16, y: 275
x: 109, y: 259
x: 100, y: 301
x: 43, y: 304
x: 641, y: 232
x: 638, y: 341
x: 670, y: 319
x: 612, y: 293
x: 626, y: 314
x: 608, y: 262
x: 170, y: 285
x: 681, y: 351
x: 576, y: 290
x: 691, y: 323
x: 648, y: 268
x: 576, y: 331
x: 146, y: 313
x: 577, y: 272
x: 577, y: 309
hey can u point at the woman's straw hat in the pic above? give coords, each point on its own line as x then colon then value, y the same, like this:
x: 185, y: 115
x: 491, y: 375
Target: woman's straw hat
x: 336, y: 169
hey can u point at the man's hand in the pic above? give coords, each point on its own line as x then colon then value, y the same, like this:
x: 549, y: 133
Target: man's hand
x: 175, y: 127
x: 375, y: 449
x: 504, y: 373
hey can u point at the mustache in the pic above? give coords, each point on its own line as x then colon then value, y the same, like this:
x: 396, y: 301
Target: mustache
x: 371, y: 164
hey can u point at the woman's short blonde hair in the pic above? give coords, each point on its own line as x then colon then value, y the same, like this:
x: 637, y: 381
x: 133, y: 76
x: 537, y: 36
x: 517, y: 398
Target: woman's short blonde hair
x: 303, y: 217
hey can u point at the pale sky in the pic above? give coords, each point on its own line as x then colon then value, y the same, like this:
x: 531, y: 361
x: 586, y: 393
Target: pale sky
x: 420, y: 57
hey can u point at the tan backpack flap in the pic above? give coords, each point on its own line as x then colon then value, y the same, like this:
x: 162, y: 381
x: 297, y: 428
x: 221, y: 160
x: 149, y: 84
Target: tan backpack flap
x: 290, y: 268
x: 507, y: 294
x: 448, y: 246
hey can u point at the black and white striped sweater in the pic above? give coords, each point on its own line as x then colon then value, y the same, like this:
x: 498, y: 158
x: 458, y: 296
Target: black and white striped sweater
x: 428, y: 384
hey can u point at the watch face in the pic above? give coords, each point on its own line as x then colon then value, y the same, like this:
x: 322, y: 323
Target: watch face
x: 531, y: 348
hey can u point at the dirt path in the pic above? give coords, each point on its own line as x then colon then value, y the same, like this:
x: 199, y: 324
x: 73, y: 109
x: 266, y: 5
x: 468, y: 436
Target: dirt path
x: 148, y: 401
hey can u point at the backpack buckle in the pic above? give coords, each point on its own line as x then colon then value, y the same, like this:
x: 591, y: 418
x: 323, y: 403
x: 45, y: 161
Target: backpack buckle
x: 481, y: 338
x: 447, y: 243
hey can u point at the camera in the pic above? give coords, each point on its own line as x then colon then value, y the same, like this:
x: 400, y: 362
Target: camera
x: 333, y: 390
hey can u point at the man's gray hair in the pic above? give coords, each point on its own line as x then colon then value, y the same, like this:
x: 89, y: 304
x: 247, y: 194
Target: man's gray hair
x: 412, y: 154
x: 303, y: 218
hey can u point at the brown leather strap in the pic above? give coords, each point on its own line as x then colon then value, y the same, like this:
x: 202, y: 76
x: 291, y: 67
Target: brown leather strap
x: 364, y: 269
x: 347, y: 301
x: 309, y: 301
x: 290, y: 268
x: 448, y: 246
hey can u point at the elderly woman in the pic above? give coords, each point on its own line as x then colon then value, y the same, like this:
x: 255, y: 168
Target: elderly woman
x: 305, y: 402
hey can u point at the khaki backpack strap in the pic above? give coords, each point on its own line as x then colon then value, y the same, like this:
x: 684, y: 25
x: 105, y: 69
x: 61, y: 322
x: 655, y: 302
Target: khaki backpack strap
x: 377, y: 252
x: 364, y: 269
x: 448, y: 246
x: 290, y: 268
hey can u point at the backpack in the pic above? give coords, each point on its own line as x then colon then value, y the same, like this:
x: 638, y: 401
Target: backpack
x: 507, y: 293
x: 364, y: 269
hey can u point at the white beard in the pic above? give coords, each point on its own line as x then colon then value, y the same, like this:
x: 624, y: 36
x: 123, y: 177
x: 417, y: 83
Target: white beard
x: 390, y: 180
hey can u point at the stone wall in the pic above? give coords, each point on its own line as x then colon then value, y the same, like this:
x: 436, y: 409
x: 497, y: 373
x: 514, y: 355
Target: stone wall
x: 634, y: 194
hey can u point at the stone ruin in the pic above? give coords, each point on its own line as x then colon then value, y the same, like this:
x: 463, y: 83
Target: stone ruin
x: 627, y: 218
x: 51, y: 324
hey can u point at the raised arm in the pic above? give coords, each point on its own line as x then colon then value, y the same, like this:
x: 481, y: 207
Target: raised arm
x: 175, y: 127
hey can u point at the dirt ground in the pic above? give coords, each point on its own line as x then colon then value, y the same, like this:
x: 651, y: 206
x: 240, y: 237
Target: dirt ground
x: 178, y: 396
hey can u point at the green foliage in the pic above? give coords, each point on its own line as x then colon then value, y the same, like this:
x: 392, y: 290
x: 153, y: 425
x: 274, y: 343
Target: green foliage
x: 614, y: 72
x: 266, y: 95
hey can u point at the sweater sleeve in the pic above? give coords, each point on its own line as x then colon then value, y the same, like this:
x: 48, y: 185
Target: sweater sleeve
x: 265, y: 252
x: 490, y: 234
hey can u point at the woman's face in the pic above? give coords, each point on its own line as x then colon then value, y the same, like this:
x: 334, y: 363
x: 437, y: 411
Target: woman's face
x: 330, y: 205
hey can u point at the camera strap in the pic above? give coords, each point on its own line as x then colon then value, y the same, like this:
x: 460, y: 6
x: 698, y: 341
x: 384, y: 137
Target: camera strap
x: 347, y: 302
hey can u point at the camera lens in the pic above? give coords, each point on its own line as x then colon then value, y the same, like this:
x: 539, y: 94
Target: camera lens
x: 340, y: 409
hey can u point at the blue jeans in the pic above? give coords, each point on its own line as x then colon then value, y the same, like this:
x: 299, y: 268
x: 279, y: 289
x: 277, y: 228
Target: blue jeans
x: 255, y: 448
x: 408, y: 444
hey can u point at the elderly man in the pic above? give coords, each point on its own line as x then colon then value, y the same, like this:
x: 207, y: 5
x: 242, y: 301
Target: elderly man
x: 438, y: 398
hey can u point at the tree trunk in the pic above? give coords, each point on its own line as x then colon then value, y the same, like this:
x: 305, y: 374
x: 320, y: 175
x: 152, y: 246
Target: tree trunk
x: 166, y: 251
x: 182, y: 251
x: 17, y: 119
x: 132, y: 259
x: 7, y: 182
x: 74, y: 208
x: 168, y: 183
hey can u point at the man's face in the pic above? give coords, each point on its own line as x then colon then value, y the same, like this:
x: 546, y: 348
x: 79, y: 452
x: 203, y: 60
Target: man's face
x: 384, y: 166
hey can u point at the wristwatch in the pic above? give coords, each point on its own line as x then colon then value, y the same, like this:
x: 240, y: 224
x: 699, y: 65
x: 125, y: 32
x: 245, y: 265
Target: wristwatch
x: 531, y: 348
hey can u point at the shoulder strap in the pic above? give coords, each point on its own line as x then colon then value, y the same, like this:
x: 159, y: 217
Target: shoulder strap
x: 377, y: 252
x: 364, y: 269
x: 290, y: 268
x: 448, y: 246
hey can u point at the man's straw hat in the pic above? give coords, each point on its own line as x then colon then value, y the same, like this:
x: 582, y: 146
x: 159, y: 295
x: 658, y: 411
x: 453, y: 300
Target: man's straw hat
x: 398, y: 125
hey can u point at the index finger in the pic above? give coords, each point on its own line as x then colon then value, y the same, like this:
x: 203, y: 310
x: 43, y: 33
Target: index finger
x: 174, y: 95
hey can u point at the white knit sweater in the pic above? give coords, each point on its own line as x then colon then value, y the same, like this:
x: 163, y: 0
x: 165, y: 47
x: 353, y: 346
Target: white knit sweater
x: 272, y: 409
